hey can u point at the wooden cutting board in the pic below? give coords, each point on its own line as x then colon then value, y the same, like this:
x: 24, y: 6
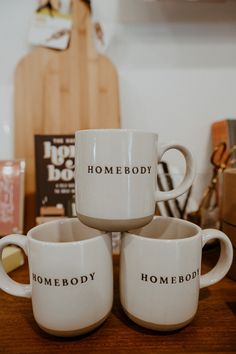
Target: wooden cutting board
x: 59, y: 92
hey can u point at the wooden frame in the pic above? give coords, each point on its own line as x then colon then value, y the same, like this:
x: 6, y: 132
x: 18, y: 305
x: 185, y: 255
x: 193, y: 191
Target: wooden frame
x: 12, y: 176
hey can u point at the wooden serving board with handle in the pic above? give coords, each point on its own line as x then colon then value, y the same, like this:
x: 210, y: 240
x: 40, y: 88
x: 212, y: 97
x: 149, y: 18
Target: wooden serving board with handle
x: 59, y: 92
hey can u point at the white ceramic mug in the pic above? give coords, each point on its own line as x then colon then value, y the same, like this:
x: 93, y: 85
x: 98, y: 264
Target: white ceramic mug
x: 160, y: 271
x: 71, y: 276
x: 116, y: 177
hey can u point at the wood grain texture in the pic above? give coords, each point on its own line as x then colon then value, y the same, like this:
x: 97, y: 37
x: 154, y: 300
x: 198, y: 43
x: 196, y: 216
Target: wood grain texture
x: 59, y: 92
x: 213, y: 330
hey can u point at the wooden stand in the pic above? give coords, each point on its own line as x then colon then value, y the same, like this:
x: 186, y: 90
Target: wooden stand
x: 59, y: 92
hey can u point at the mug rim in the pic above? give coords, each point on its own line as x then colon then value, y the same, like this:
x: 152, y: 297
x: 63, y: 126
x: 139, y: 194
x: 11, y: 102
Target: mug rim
x: 101, y: 234
x: 133, y: 233
x: 117, y: 130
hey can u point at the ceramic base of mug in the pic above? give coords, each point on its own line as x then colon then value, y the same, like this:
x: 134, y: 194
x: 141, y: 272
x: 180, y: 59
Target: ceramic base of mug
x: 75, y: 332
x: 115, y: 225
x: 158, y: 326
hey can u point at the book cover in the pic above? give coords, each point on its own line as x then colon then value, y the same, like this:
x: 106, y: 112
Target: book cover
x: 54, y: 167
x: 12, y: 174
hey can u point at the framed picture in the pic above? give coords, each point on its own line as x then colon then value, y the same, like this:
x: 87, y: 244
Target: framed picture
x: 12, y: 176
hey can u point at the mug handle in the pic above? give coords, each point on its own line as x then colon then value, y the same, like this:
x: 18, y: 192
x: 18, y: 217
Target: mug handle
x: 7, y: 284
x: 225, y: 259
x: 189, y: 174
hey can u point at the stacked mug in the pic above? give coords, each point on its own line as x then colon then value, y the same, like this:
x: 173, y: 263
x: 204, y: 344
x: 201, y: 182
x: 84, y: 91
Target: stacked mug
x: 70, y: 260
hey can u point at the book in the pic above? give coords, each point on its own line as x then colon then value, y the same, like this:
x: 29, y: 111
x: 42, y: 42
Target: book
x: 12, y: 258
x: 54, y: 170
x: 224, y: 131
x: 12, y: 176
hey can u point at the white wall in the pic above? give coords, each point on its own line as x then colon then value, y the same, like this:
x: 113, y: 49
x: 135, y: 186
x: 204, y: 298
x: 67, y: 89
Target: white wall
x: 14, y: 24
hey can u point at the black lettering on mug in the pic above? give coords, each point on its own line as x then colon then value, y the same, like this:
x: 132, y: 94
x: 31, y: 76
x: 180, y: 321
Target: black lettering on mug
x: 163, y: 280
x: 135, y: 170
x: 65, y: 282
x: 39, y: 279
x: 90, y: 169
x: 143, y: 170
x: 98, y: 169
x: 57, y: 282
x: 144, y: 277
x: 84, y: 279
x: 153, y: 279
x: 188, y: 277
x: 127, y: 170
x: 47, y: 281
x: 172, y: 279
x: 108, y: 170
x: 92, y: 275
x: 74, y: 281
x: 119, y: 170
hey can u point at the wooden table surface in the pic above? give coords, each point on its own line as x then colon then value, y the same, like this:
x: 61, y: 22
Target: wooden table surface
x: 212, y: 330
